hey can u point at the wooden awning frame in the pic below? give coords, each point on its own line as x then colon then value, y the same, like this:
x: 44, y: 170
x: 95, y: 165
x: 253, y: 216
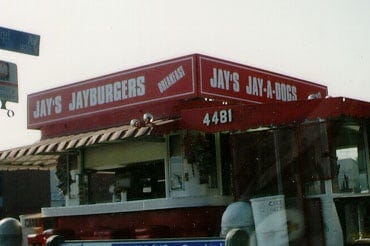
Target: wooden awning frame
x: 44, y: 154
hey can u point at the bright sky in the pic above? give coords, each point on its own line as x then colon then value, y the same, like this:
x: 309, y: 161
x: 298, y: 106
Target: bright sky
x: 323, y: 41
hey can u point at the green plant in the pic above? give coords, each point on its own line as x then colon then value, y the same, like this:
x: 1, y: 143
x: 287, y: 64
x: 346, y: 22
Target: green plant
x: 198, y: 151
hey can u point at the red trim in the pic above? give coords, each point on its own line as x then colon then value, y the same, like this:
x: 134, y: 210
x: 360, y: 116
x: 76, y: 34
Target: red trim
x: 183, y: 222
x: 272, y: 114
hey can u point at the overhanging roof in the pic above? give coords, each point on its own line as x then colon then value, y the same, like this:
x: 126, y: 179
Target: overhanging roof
x: 273, y: 114
x: 44, y: 154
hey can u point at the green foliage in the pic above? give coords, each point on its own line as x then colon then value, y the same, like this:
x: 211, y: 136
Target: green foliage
x: 198, y: 150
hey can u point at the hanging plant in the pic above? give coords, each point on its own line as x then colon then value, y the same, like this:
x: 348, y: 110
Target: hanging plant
x: 63, y: 175
x: 198, y: 151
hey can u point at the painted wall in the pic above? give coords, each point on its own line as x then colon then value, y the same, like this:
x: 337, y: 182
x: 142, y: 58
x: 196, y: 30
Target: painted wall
x: 24, y: 192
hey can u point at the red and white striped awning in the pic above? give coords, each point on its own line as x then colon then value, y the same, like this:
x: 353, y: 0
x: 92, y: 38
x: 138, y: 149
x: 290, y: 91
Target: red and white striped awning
x: 44, y: 154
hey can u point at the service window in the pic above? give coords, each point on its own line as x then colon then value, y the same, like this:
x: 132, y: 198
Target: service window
x: 136, y: 181
x: 147, y: 180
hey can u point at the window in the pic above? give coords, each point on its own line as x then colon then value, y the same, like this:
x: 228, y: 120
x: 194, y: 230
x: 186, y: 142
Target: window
x: 314, y: 157
x: 254, y: 164
x: 147, y: 180
x: 349, y: 157
x: 136, y: 181
x: 350, y: 160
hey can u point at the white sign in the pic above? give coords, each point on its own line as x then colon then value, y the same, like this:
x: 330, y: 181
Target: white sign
x: 8, y: 82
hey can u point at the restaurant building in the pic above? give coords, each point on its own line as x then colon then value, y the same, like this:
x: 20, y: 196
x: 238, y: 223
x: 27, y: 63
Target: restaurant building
x: 161, y: 151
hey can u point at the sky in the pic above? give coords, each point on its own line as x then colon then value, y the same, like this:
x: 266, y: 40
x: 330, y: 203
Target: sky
x: 323, y: 41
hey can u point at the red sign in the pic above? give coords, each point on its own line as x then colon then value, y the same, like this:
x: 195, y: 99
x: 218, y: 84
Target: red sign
x: 168, y: 81
x: 229, y: 80
x: 149, y: 84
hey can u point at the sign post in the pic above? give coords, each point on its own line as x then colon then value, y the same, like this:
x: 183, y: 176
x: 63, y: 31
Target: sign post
x: 8, y: 84
x: 22, y: 42
x: 18, y: 41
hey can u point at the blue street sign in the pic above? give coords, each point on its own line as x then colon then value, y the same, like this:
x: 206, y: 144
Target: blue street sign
x: 184, y: 242
x: 18, y: 41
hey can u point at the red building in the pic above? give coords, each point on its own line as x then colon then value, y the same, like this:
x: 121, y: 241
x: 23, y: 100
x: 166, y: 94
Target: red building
x: 162, y: 150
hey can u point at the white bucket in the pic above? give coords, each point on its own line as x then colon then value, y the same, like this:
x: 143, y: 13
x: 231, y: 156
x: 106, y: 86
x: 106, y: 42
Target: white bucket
x: 31, y: 224
x: 332, y: 227
x: 270, y: 220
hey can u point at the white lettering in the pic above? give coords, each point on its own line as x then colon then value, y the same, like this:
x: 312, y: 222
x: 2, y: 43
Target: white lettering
x: 260, y: 86
x: 86, y: 97
x: 213, y: 80
x: 58, y: 104
x: 255, y: 86
x: 79, y: 101
x: 218, y: 117
x: 285, y: 92
x: 236, y: 86
x: 36, y: 112
x: 222, y: 79
x: 277, y: 91
x: 101, y: 95
x: 47, y: 106
x: 93, y: 98
x: 294, y: 93
x: 104, y: 94
x: 108, y: 93
x: 132, y: 87
x: 124, y: 89
x: 141, y: 84
x: 269, y: 89
x: 72, y: 104
x: 170, y: 79
x: 117, y: 91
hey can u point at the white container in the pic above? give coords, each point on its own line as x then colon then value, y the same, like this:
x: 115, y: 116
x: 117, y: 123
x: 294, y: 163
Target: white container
x: 31, y: 224
x: 332, y: 228
x: 270, y: 220
x: 238, y: 215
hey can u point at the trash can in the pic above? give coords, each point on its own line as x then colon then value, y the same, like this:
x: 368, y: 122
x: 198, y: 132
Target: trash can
x: 31, y: 225
x: 10, y: 232
x: 237, y: 237
x: 237, y: 215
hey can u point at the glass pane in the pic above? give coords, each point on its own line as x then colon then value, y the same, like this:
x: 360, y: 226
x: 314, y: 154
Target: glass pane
x: 348, y: 175
x: 314, y: 158
x: 288, y: 153
x: 137, y: 181
x: 254, y: 164
x: 350, y: 154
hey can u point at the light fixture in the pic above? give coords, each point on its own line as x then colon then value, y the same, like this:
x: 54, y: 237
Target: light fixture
x: 135, y: 123
x: 147, y: 118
